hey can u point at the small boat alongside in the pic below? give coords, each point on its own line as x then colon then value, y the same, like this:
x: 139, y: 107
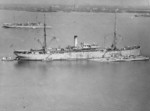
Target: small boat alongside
x: 8, y: 59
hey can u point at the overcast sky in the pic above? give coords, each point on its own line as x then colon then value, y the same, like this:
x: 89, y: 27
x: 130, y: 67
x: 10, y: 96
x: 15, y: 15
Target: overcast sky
x: 97, y: 2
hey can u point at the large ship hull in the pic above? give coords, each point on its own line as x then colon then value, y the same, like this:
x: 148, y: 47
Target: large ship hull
x: 77, y: 55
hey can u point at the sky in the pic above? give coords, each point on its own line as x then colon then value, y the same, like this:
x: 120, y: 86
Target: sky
x: 92, y: 2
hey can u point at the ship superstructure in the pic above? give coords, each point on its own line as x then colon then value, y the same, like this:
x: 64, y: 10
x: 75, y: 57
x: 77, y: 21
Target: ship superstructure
x: 82, y: 51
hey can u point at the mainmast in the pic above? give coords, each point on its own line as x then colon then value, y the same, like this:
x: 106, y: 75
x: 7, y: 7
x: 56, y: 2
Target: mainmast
x: 114, y: 47
x: 44, y: 43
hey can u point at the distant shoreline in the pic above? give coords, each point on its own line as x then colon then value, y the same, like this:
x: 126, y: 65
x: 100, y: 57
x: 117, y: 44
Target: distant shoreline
x: 74, y: 8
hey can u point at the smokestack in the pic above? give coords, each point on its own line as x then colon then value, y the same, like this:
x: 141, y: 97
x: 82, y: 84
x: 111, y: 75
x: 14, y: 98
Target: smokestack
x: 75, y: 41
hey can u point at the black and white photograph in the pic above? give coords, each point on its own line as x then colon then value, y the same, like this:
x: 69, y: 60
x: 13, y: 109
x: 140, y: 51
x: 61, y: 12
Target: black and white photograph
x: 74, y: 55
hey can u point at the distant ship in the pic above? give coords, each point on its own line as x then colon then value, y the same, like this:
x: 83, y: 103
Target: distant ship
x: 82, y: 51
x: 143, y: 15
x: 25, y: 25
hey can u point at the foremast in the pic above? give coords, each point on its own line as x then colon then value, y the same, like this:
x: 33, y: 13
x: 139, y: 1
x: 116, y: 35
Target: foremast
x: 114, y: 44
x: 44, y: 43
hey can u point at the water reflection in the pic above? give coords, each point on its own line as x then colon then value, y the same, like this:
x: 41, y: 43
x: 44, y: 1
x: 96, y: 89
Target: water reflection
x: 76, y: 85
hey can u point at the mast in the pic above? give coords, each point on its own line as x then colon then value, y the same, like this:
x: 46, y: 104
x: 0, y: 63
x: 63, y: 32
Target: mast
x: 75, y: 5
x: 148, y: 2
x: 44, y: 43
x: 36, y: 20
x: 114, y: 47
x: 14, y: 18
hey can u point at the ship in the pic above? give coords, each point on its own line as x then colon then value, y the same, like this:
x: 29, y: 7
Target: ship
x: 32, y: 25
x: 143, y: 15
x: 82, y: 51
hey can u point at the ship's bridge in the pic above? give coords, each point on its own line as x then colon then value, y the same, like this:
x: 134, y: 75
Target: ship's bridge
x: 86, y: 45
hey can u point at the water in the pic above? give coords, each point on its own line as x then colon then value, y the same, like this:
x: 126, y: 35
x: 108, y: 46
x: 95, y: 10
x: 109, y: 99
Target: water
x: 74, y: 85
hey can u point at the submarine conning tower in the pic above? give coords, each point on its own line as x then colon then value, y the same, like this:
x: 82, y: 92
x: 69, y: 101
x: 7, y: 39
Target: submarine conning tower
x: 75, y: 40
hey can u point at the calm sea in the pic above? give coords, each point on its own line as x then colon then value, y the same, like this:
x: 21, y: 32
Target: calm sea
x: 74, y: 85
